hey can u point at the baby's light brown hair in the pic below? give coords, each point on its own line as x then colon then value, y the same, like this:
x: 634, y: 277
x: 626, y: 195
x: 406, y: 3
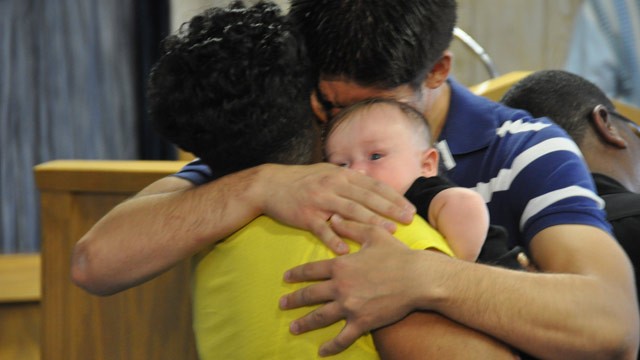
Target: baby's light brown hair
x: 412, y: 116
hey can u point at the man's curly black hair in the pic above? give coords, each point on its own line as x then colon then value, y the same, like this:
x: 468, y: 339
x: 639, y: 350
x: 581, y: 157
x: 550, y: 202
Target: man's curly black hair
x: 233, y: 88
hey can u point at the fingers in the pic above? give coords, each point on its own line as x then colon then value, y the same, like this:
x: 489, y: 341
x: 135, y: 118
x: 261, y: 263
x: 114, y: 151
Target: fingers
x: 379, y: 201
x: 352, y: 210
x: 321, y: 317
x: 358, y: 232
x: 361, y: 198
x: 523, y: 260
x: 312, y: 294
x: 313, y: 271
x: 526, y: 263
x: 321, y: 229
x: 343, y: 340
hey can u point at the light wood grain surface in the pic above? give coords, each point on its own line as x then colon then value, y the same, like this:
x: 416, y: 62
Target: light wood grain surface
x: 152, y: 321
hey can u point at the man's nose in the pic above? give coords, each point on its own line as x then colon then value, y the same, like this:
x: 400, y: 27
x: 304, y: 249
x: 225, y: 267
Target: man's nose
x: 334, y: 111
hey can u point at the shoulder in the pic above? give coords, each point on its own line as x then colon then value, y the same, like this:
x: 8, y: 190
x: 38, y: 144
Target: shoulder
x: 475, y: 123
x: 536, y: 137
x: 419, y: 235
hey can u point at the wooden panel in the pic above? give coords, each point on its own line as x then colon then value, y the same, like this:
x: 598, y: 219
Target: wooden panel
x: 152, y: 321
x: 20, y: 331
x: 20, y: 315
x: 55, y: 243
x: 19, y: 277
x: 102, y: 175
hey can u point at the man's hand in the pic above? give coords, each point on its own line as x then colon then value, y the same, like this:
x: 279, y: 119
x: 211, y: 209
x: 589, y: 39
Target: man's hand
x: 306, y: 196
x: 351, y: 288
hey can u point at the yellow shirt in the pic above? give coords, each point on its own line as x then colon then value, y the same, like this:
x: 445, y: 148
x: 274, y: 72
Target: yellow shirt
x: 237, y: 285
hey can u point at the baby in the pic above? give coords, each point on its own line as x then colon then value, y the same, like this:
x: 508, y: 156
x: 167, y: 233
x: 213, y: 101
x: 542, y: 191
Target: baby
x: 391, y: 142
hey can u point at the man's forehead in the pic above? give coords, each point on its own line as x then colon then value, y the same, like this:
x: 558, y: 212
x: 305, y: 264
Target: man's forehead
x: 341, y: 93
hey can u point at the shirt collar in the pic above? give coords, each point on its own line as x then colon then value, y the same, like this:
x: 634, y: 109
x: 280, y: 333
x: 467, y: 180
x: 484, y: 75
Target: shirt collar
x: 472, y: 120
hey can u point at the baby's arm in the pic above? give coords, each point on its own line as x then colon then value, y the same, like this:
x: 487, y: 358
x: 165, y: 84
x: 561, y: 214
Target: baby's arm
x: 461, y: 216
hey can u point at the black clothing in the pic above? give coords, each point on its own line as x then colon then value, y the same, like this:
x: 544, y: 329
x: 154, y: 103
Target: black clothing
x: 494, y: 251
x: 623, y: 212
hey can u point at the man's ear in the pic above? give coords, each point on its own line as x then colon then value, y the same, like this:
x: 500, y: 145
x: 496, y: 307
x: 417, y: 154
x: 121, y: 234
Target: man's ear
x: 317, y: 107
x: 440, y: 71
x: 430, y: 162
x: 605, y: 128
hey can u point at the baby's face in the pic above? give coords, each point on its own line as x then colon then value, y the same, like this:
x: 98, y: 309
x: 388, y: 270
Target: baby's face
x: 379, y: 142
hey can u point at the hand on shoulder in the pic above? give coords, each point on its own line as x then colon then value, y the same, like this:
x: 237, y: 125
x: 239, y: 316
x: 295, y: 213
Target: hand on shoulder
x: 306, y: 196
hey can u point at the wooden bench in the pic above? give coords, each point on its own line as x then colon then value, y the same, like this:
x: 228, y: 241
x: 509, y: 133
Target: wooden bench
x: 495, y: 88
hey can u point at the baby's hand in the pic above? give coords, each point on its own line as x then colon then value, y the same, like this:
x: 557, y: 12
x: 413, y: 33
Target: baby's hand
x: 526, y: 263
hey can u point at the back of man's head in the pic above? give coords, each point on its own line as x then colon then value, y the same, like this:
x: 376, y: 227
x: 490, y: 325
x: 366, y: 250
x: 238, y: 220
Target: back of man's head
x: 383, y: 43
x: 233, y: 88
x: 566, y: 98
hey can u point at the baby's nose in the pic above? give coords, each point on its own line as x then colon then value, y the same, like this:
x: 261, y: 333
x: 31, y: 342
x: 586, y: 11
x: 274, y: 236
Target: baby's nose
x: 358, y: 167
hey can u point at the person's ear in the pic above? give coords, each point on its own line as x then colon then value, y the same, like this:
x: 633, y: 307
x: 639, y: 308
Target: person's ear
x: 430, y: 162
x: 605, y: 128
x: 317, y: 108
x: 440, y: 71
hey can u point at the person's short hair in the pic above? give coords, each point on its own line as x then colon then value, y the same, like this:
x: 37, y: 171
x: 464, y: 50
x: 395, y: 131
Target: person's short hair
x: 383, y: 43
x: 412, y: 117
x: 233, y: 88
x: 565, y: 98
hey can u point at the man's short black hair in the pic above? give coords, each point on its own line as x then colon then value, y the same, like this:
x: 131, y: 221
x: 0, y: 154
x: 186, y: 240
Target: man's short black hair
x: 233, y: 88
x: 381, y: 43
x: 565, y: 98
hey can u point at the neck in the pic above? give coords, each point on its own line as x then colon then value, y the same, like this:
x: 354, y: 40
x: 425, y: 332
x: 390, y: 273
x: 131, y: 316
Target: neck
x: 437, y: 108
x: 629, y: 181
x: 614, y: 167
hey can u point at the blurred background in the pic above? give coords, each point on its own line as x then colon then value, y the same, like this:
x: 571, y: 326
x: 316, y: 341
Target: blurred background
x: 73, y: 73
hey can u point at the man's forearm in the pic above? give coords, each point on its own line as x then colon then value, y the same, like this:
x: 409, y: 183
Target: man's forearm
x: 167, y: 222
x: 427, y: 335
x: 584, y: 307
x: 589, y: 311
x: 171, y: 220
